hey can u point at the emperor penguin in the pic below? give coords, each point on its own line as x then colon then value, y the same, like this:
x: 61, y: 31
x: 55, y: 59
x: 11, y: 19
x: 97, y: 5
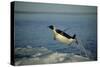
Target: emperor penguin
x: 63, y: 37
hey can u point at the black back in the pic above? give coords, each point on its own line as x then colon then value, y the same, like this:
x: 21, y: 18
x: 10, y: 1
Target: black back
x: 63, y: 33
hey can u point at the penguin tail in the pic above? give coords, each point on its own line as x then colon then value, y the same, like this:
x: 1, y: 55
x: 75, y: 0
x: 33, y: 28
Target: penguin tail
x: 74, y: 37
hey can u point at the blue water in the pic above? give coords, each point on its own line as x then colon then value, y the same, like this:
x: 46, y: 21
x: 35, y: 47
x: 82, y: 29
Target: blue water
x: 33, y: 31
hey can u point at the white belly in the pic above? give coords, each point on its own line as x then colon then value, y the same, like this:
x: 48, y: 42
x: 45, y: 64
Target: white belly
x: 63, y: 39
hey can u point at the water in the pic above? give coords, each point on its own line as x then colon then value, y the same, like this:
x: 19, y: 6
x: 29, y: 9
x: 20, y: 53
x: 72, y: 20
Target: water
x: 31, y: 31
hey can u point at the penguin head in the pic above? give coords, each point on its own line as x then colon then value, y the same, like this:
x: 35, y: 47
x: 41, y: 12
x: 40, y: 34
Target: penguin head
x: 51, y: 27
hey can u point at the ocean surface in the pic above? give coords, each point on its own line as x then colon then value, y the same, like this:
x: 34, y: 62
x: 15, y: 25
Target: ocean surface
x: 34, y: 43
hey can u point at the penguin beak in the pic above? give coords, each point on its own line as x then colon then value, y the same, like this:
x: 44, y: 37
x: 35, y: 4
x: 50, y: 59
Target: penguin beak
x: 48, y: 26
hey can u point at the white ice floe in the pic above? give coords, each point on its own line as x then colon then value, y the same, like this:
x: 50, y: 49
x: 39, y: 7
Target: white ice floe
x: 28, y: 46
x: 44, y: 56
x: 55, y: 57
x: 37, y: 54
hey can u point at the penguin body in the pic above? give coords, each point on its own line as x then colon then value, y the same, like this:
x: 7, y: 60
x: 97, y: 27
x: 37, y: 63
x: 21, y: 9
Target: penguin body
x: 62, y: 37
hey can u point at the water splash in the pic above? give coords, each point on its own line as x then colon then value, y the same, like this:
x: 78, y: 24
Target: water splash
x: 81, y: 47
